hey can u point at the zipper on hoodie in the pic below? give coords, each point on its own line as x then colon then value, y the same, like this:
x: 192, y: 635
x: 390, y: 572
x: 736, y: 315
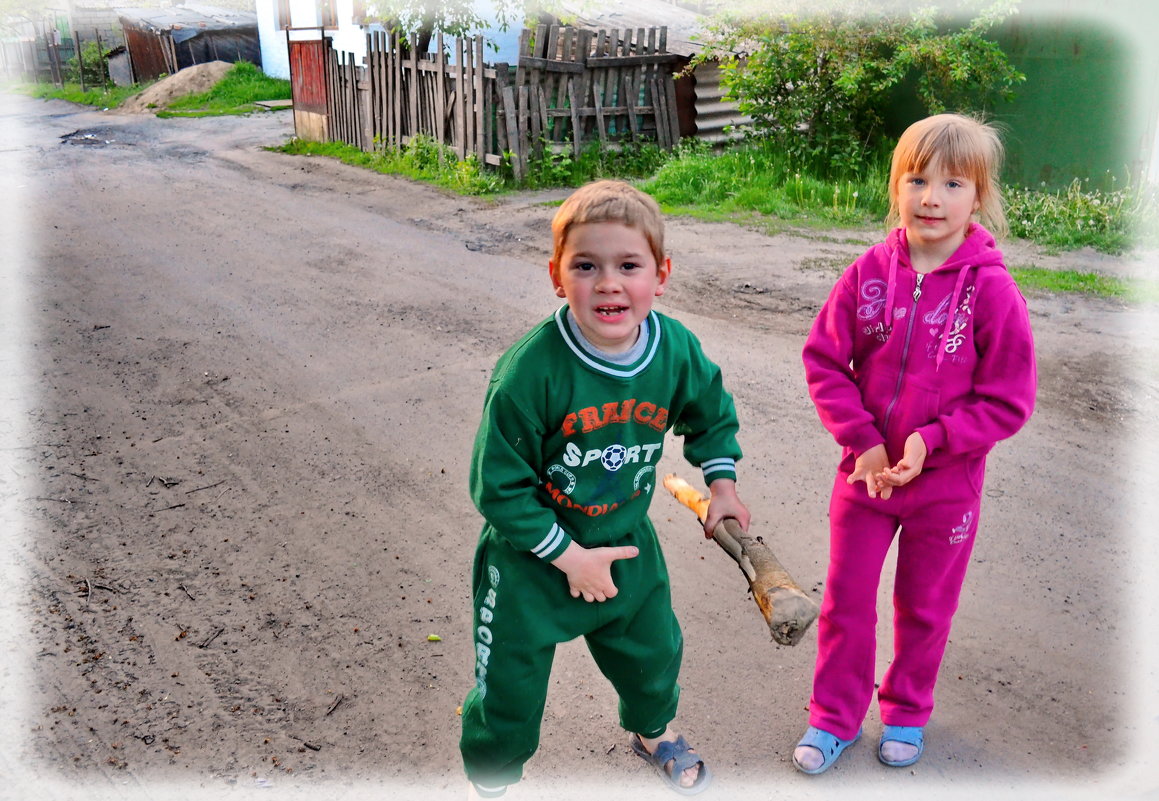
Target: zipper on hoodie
x: 909, y: 329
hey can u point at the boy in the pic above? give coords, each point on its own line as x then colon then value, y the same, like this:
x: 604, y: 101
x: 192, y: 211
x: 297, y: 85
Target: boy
x: 563, y: 471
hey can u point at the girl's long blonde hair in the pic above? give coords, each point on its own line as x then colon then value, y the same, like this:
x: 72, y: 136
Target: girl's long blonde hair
x: 960, y: 144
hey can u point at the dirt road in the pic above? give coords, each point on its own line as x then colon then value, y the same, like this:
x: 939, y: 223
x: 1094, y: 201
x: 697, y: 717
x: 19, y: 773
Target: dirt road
x: 240, y: 392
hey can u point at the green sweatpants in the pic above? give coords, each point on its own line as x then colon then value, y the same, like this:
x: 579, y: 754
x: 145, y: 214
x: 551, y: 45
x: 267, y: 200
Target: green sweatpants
x: 523, y: 610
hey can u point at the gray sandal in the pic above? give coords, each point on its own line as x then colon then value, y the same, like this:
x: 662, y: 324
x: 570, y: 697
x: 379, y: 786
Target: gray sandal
x: 680, y: 754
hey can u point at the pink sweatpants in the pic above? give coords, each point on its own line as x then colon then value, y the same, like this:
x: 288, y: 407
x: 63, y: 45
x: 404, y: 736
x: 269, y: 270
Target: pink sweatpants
x: 938, y: 515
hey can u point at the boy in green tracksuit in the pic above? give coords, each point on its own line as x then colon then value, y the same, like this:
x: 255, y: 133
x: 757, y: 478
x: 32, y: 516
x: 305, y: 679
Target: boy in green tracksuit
x: 563, y: 470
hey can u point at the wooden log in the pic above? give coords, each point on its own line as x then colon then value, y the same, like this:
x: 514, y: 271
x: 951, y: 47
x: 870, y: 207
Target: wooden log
x: 787, y: 610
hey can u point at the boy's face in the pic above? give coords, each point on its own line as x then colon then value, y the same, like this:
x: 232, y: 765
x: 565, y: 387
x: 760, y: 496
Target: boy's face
x: 609, y: 276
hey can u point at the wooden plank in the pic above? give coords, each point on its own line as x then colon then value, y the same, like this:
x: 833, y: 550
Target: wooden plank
x: 577, y: 140
x: 662, y: 136
x: 601, y: 125
x: 631, y: 95
x: 583, y: 52
x: 673, y: 111
x: 515, y: 142
x: 503, y: 121
x: 440, y: 93
x: 462, y: 106
x: 522, y: 129
x: 547, y: 65
x: 413, y: 93
x: 482, y: 100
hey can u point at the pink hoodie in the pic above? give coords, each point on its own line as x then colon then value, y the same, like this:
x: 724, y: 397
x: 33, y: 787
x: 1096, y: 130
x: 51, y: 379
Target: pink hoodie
x: 948, y: 353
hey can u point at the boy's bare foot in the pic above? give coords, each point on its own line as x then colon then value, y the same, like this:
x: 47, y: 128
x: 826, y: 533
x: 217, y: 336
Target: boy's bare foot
x: 690, y: 775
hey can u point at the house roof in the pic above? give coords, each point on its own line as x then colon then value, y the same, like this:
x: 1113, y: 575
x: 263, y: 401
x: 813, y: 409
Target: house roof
x: 188, y: 17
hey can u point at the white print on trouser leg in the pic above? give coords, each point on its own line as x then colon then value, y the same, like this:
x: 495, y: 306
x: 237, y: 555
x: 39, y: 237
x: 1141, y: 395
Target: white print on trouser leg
x: 483, y: 636
x: 961, y: 533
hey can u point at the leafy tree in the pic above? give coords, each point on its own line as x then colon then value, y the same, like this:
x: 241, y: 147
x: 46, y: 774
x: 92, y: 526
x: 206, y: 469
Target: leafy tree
x: 817, y: 78
x: 453, y: 17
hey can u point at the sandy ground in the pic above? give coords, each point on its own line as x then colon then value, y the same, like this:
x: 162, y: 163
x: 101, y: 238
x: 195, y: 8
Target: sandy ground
x: 240, y: 391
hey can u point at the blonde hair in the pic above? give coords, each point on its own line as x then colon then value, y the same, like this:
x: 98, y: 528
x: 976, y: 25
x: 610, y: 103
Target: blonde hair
x: 609, y: 201
x: 960, y: 144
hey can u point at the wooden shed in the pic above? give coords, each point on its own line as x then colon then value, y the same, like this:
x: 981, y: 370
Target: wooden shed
x: 161, y: 41
x: 704, y: 111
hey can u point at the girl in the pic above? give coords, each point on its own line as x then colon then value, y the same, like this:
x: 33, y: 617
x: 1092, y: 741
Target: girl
x: 919, y: 362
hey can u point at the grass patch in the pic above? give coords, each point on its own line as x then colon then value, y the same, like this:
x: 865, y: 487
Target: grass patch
x: 752, y: 180
x: 236, y: 93
x: 422, y: 160
x: 1086, y: 283
x: 99, y: 97
x: 1109, y: 220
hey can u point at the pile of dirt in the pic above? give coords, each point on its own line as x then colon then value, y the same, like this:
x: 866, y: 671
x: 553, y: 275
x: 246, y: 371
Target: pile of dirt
x: 189, y: 81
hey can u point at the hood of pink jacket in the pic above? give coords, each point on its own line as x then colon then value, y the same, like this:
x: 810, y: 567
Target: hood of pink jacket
x: 978, y: 252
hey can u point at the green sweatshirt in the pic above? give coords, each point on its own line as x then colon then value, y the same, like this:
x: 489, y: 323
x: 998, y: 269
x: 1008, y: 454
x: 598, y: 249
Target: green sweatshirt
x: 568, y: 444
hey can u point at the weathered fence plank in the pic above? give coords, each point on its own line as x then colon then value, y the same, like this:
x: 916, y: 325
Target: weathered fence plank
x: 569, y: 88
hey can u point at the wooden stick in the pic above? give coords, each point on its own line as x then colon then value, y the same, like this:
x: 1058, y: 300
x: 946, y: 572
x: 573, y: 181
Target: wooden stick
x: 785, y: 607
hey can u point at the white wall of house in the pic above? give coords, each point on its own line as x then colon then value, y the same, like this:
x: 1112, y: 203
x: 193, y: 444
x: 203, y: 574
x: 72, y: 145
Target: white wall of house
x: 304, y: 14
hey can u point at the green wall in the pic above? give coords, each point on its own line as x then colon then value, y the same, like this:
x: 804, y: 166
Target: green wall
x: 1075, y: 115
x: 1088, y: 106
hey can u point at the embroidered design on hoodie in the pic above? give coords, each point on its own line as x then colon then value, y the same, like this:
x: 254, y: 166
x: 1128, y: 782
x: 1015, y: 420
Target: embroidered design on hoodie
x: 955, y: 336
x: 959, y: 534
x: 874, y: 293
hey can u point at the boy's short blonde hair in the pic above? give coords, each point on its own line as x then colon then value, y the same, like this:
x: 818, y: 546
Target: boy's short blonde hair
x: 609, y: 201
x: 961, y: 144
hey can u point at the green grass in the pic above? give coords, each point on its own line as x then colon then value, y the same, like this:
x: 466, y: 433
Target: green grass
x: 752, y: 181
x: 1071, y: 281
x: 1108, y: 220
x: 236, y: 93
x: 99, y: 97
x: 422, y: 160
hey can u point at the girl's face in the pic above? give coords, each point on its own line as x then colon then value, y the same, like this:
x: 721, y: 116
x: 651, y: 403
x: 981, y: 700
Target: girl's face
x: 935, y: 206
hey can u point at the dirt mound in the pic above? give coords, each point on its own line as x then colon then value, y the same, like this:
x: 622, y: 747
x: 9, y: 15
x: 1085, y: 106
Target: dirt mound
x: 189, y: 81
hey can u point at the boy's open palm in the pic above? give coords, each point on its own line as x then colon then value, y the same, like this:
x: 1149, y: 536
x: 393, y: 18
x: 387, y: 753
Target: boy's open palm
x: 589, y: 570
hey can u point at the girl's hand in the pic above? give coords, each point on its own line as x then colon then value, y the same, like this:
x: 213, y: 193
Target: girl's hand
x: 724, y: 503
x: 589, y: 570
x: 868, y: 468
x: 910, y: 467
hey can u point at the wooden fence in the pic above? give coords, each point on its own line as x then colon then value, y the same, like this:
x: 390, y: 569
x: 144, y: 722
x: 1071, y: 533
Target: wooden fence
x: 570, y: 87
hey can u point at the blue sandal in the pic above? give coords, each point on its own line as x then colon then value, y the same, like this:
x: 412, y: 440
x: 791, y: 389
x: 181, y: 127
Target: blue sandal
x: 910, y: 735
x: 828, y: 744
x: 680, y: 754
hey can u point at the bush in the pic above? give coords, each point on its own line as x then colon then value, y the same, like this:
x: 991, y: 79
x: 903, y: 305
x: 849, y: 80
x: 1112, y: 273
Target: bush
x: 816, y: 82
x: 96, y: 66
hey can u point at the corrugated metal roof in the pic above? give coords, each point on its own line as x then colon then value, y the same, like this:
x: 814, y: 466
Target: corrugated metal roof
x: 200, y: 17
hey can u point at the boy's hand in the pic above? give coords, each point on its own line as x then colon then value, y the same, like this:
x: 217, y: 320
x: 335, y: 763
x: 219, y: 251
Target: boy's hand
x: 910, y: 467
x: 724, y: 503
x: 869, y: 468
x: 589, y: 570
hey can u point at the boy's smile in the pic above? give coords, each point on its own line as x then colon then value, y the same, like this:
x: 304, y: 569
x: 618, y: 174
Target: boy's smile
x: 609, y: 276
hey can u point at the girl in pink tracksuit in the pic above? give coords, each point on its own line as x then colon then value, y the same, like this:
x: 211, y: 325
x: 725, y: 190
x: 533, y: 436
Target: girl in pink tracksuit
x: 919, y: 362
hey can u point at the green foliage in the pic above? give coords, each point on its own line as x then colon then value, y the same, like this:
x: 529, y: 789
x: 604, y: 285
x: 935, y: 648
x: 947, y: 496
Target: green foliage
x: 562, y: 168
x: 242, y: 86
x: 817, y: 80
x: 1139, y: 291
x: 422, y: 159
x: 100, y: 97
x: 95, y: 60
x: 1109, y: 220
x: 759, y: 177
